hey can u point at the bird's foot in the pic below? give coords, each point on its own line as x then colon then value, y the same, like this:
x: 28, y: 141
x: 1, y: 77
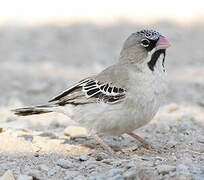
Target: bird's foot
x: 105, y: 146
x: 143, y: 142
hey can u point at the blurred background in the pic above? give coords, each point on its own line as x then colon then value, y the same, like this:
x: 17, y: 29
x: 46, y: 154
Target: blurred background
x: 45, y: 46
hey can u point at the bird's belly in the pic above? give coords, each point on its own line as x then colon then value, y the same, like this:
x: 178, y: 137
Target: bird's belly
x: 115, y: 119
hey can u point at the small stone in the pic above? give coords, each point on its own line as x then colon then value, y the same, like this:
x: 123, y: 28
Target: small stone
x: 165, y: 169
x: 51, y: 172
x: 162, y: 128
x: 201, y: 148
x: 36, y: 155
x: 115, y: 171
x: 130, y: 175
x: 172, y: 143
x: 75, y: 130
x: 68, y: 177
x: 145, y: 158
x: 202, y: 157
x: 182, y: 169
x: 72, y: 173
x: 201, y: 139
x: 54, y: 124
x: 64, y: 163
x: 146, y: 173
x: 173, y: 107
x: 80, y: 177
x: 117, y: 177
x: 48, y: 134
x: 201, y: 102
x: 107, y: 161
x: 34, y: 173
x: 157, y: 162
x: 99, y: 177
x: 8, y: 175
x: 130, y: 165
x: 101, y: 156
x: 24, y: 177
x: 78, y: 136
x: 43, y: 167
x: 83, y: 157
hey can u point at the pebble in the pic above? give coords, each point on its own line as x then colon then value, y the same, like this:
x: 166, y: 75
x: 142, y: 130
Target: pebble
x: 172, y: 107
x: 202, y: 157
x: 69, y: 175
x: 64, y: 163
x: 165, y: 169
x: 117, y: 177
x: 75, y: 130
x: 80, y: 177
x: 34, y: 173
x: 146, y: 173
x: 157, y: 162
x: 129, y: 165
x: 201, y: 102
x: 54, y: 124
x: 172, y: 143
x: 48, y: 134
x: 201, y: 148
x: 24, y: 177
x: 101, y: 156
x: 83, y: 157
x: 201, y: 139
x: 115, y: 171
x: 51, y: 172
x: 99, y: 177
x: 130, y: 175
x: 162, y: 128
x: 72, y: 173
x: 78, y: 136
x: 8, y: 175
x: 43, y: 167
x: 182, y: 169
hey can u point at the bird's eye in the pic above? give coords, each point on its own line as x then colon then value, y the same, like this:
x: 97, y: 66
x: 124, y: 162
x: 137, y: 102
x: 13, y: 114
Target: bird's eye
x: 145, y: 42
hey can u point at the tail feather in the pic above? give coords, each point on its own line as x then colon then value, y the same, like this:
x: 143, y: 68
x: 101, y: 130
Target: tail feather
x: 33, y: 110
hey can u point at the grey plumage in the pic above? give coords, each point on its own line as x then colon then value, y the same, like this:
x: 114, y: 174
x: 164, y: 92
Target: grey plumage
x: 121, y: 98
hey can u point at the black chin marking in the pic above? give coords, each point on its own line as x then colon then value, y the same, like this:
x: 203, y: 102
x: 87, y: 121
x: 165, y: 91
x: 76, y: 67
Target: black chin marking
x: 151, y: 64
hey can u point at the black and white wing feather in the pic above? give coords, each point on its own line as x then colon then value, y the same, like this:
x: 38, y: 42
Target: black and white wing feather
x: 89, y: 91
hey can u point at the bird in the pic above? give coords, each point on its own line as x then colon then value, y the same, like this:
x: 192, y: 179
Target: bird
x: 120, y: 99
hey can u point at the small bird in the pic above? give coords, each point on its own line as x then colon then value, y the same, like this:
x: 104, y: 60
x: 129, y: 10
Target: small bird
x: 121, y: 98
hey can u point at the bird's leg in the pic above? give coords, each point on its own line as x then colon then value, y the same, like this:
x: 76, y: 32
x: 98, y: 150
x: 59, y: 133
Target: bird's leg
x: 145, y: 144
x: 104, y: 145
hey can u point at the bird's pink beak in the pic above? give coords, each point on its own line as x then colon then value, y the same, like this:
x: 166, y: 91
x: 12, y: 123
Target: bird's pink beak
x: 162, y: 43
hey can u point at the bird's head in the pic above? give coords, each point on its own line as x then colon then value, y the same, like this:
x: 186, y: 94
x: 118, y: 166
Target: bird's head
x: 144, y: 46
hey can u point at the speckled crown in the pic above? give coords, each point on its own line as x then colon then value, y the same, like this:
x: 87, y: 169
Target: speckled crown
x: 149, y: 34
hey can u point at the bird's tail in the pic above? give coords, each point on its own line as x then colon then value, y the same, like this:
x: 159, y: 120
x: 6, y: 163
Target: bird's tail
x: 41, y: 109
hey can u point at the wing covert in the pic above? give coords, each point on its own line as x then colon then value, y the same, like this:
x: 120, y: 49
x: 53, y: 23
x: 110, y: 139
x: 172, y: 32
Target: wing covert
x: 88, y: 91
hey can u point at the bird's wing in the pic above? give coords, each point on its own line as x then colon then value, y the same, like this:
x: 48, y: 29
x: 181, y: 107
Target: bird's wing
x: 88, y: 91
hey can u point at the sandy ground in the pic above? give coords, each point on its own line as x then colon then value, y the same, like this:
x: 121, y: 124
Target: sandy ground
x: 39, y: 62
